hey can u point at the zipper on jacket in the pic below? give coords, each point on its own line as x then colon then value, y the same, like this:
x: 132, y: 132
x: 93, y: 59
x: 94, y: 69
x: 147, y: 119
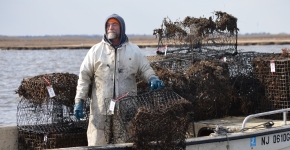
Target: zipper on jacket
x: 114, y: 75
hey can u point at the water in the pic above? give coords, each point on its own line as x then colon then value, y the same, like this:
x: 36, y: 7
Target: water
x: 18, y: 64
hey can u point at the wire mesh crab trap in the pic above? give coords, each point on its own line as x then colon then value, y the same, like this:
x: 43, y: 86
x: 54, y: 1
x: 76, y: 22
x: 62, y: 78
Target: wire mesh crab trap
x: 198, y: 35
x: 205, y: 83
x: 154, y: 120
x: 45, y: 120
x: 273, y: 73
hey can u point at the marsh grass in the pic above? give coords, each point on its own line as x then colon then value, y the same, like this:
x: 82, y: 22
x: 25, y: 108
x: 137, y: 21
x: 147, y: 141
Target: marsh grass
x: 80, y: 42
x: 268, y: 39
x: 63, y: 42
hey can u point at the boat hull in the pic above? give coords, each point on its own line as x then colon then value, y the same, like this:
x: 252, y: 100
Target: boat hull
x: 277, y: 138
x: 270, y: 139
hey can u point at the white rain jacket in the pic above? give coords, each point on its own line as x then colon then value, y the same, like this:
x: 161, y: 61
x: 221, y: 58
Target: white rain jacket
x: 103, y: 65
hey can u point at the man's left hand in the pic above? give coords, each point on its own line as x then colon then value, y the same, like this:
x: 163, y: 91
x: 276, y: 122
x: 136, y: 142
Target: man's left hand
x: 155, y: 83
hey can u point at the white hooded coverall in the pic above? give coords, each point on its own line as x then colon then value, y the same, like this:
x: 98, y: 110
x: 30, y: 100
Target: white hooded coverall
x: 100, y: 68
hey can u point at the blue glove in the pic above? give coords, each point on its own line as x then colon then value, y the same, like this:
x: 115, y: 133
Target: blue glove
x: 155, y: 83
x: 78, y: 110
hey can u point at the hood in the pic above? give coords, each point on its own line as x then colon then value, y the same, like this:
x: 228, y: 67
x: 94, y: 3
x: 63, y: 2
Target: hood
x: 123, y: 30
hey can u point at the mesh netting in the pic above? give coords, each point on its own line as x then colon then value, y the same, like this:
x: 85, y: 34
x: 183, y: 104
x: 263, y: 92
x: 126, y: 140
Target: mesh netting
x: 150, y: 120
x: 48, y: 117
x: 34, y: 141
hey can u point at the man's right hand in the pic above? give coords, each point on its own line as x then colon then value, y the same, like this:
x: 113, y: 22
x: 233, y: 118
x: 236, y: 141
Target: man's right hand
x: 78, y: 110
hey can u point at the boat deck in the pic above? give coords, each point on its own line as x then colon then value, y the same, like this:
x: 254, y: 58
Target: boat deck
x: 234, y: 124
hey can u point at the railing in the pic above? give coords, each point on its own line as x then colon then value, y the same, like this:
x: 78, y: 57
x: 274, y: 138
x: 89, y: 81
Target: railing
x: 284, y: 111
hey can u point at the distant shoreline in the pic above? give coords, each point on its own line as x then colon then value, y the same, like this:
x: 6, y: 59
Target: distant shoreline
x: 51, y: 43
x: 140, y: 45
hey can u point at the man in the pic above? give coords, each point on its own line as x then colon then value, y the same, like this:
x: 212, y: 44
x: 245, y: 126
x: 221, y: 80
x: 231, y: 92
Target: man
x: 110, y: 66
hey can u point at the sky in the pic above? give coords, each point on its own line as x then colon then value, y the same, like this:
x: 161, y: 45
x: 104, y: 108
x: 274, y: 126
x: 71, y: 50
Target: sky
x: 87, y: 17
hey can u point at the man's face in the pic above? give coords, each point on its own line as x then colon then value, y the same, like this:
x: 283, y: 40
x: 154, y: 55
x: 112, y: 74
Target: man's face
x: 113, y: 30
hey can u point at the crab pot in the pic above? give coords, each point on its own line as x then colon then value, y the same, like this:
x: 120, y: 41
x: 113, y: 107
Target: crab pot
x: 35, y: 89
x: 247, y: 87
x: 205, y: 83
x: 160, y: 116
x: 49, y: 125
x: 46, y: 121
x: 276, y: 83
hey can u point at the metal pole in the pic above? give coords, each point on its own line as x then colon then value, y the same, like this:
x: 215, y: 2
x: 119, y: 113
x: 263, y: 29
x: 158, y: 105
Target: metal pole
x: 285, y: 117
x: 266, y: 113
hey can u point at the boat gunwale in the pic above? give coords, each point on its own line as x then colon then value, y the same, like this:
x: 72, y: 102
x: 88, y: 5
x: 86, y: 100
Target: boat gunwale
x: 232, y: 136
